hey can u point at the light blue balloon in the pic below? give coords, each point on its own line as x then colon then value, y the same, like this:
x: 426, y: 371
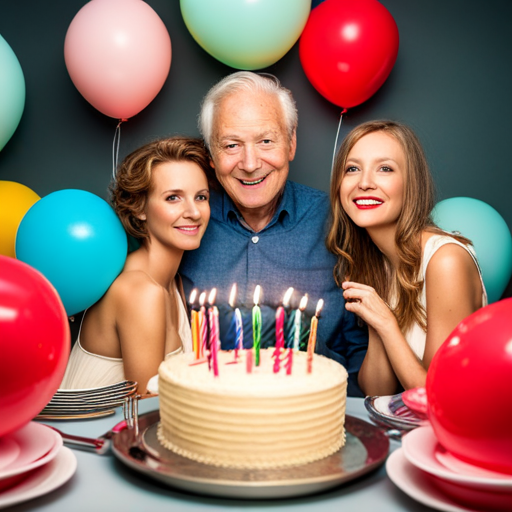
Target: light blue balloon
x: 246, y: 34
x: 75, y: 239
x: 12, y: 92
x: 490, y: 235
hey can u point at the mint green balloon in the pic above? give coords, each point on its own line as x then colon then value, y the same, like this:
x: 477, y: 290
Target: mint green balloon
x: 12, y: 92
x: 490, y: 235
x: 246, y: 34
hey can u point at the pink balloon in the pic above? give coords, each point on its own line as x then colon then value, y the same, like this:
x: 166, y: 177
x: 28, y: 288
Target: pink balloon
x: 118, y: 55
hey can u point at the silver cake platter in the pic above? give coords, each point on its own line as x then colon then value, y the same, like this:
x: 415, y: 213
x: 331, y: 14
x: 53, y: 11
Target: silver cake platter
x: 366, y: 448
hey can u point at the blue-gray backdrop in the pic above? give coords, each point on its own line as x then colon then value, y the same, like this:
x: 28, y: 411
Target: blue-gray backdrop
x: 451, y: 83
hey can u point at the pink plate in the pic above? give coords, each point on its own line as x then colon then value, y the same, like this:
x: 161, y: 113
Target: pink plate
x: 42, y: 480
x: 416, y: 400
x: 34, y: 444
x: 464, y: 468
x: 420, y: 447
x: 9, y: 451
x: 414, y: 483
x: 495, y: 500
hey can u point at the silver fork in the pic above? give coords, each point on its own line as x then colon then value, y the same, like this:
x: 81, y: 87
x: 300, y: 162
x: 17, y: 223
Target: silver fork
x: 101, y: 445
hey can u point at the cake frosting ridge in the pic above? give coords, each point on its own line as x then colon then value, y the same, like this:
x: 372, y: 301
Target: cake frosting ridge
x: 252, y: 420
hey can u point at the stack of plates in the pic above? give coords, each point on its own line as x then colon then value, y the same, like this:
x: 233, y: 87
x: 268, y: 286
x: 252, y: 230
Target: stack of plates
x: 424, y: 470
x: 88, y: 403
x: 33, y: 462
x: 391, y: 413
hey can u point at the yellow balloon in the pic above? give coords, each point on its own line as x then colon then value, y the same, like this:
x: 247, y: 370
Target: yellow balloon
x: 15, y: 201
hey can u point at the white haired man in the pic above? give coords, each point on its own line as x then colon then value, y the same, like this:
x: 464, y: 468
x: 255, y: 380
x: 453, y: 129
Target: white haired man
x: 264, y: 229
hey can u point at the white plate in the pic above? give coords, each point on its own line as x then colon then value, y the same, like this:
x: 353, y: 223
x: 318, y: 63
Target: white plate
x: 42, y: 480
x: 412, y: 481
x: 420, y: 447
x: 36, y: 445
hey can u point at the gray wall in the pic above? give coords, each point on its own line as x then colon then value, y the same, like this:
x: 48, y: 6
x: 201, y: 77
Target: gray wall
x: 451, y: 83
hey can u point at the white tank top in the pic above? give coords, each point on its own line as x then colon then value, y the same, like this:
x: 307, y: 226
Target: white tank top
x: 416, y: 337
x: 86, y: 370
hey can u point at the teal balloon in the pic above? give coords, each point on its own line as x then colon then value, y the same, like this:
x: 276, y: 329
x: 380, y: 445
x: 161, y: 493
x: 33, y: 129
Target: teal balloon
x: 12, y: 92
x: 246, y: 34
x: 490, y: 235
x: 75, y: 239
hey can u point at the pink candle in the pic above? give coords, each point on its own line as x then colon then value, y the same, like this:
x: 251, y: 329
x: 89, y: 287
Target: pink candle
x: 214, y: 333
x: 248, y: 360
x: 203, y: 325
x: 214, y: 339
x: 279, y: 338
x: 289, y: 361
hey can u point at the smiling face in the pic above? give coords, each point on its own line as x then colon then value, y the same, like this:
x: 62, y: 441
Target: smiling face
x: 251, y: 151
x: 177, y: 209
x: 373, y: 182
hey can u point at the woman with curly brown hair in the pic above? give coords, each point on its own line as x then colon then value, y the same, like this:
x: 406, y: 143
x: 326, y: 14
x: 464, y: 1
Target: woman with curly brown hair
x: 411, y: 282
x: 161, y: 195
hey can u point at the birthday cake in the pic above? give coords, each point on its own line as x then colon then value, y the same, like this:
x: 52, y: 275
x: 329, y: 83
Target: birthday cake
x: 259, y: 419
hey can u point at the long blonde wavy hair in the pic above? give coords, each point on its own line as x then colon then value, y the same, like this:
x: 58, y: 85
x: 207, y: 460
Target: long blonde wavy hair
x: 359, y: 259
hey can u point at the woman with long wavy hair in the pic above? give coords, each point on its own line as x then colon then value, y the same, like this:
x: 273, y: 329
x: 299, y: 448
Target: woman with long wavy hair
x: 411, y: 282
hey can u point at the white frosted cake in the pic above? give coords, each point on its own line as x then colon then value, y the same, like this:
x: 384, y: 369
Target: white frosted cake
x: 252, y: 420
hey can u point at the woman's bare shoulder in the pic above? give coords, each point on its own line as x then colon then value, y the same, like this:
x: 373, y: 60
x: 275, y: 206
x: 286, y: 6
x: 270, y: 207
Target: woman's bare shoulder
x: 452, y: 257
x: 135, y: 287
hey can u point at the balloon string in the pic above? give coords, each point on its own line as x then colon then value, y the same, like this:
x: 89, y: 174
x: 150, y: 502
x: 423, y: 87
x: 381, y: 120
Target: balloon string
x: 344, y: 111
x: 115, y: 147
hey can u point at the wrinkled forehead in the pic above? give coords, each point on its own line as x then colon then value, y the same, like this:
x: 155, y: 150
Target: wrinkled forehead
x: 248, y: 110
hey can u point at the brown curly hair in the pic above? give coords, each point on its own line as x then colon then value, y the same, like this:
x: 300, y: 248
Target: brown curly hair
x: 130, y: 190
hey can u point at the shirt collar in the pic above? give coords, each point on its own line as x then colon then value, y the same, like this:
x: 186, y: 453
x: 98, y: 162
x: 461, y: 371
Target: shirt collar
x: 286, y: 211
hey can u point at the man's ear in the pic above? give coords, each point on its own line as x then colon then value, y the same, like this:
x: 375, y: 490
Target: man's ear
x: 293, y: 146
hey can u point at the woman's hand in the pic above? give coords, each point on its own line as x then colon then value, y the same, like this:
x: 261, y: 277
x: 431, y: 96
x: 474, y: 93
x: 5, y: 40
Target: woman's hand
x: 364, y: 301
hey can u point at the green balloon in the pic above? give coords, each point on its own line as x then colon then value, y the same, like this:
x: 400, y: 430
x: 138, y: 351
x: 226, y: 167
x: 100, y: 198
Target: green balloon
x: 12, y: 92
x: 490, y: 235
x: 246, y: 34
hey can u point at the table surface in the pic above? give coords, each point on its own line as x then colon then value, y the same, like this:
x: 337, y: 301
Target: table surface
x: 103, y: 483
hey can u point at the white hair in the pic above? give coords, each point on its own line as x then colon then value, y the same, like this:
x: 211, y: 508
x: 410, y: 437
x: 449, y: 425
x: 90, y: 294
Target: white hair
x: 245, y: 80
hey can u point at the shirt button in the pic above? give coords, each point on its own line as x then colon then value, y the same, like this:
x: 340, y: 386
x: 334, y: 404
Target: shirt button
x: 255, y: 239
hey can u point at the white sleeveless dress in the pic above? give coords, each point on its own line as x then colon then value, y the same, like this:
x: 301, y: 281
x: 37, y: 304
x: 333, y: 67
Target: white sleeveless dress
x: 86, y: 370
x: 416, y: 337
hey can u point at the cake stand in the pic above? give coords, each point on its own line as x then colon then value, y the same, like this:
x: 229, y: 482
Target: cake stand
x: 366, y: 448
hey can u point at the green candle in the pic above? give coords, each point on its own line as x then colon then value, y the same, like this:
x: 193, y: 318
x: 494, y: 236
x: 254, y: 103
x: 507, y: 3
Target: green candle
x: 256, y: 325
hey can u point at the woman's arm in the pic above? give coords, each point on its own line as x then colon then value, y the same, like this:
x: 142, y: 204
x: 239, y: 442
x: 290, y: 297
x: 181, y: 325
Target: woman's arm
x: 141, y: 327
x: 453, y: 292
x: 386, y: 343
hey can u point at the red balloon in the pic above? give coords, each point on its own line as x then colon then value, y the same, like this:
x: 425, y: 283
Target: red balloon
x: 34, y: 343
x: 348, y: 49
x: 469, y: 389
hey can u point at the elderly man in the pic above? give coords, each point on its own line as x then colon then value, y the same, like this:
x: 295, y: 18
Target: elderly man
x: 265, y: 230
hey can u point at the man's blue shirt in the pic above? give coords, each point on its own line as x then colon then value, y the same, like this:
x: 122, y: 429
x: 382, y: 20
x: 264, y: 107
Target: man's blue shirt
x: 289, y: 251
